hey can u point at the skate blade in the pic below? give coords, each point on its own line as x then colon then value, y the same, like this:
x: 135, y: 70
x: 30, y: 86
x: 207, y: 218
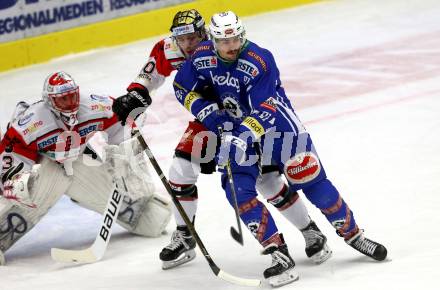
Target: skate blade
x: 322, y: 255
x: 284, y: 278
x: 182, y: 259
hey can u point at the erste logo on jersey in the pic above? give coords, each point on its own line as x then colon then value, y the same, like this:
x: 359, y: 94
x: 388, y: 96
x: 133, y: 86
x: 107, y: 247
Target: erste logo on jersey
x: 205, y: 62
x: 248, y: 68
x: 302, y: 168
x: 47, y: 141
x: 225, y: 81
x: 91, y: 127
x: 83, y: 131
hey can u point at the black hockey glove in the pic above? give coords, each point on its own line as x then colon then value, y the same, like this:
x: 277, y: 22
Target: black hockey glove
x: 123, y: 105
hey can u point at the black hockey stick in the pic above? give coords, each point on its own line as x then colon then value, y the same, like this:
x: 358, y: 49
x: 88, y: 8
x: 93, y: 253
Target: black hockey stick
x: 236, y: 235
x: 217, y: 271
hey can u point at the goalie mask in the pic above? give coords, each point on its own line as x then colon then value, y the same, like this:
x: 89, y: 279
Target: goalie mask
x: 61, y: 94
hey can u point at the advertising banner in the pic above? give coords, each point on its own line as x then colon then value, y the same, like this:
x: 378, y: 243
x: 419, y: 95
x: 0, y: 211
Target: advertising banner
x: 26, y: 18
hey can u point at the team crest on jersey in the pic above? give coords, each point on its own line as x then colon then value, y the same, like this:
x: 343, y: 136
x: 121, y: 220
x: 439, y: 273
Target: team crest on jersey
x: 23, y: 121
x: 302, y: 168
x: 253, y: 227
x: 232, y: 106
x: 248, y: 68
x: 205, y: 62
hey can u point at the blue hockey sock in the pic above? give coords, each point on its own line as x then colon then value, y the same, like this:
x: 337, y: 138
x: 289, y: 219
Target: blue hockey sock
x: 327, y: 198
x: 259, y: 221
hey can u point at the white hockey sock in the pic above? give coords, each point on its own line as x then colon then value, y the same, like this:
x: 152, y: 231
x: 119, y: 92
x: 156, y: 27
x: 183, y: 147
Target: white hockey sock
x: 190, y: 207
x: 297, y: 214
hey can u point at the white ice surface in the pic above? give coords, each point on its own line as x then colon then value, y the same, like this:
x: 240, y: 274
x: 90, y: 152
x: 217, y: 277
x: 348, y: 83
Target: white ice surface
x: 365, y: 78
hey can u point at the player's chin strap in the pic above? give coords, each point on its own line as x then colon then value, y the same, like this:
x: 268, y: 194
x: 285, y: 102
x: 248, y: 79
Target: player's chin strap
x: 217, y: 271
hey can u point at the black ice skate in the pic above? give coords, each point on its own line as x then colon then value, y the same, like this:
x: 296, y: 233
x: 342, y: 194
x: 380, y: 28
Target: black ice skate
x: 180, y: 250
x: 282, y: 271
x: 367, y: 247
x: 316, y: 244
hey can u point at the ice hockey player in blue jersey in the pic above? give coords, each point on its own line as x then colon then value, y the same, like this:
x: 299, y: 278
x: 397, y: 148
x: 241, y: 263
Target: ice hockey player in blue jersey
x: 188, y: 30
x: 247, y: 84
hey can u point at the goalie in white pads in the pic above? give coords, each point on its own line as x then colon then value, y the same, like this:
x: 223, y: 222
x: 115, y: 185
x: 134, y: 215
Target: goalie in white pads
x: 46, y: 153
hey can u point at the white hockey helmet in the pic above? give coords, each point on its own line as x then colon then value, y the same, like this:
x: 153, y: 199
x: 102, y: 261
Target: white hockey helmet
x: 226, y: 25
x: 61, y: 94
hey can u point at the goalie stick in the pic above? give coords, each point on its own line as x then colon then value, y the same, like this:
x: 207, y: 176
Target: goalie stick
x: 97, y: 250
x: 217, y: 271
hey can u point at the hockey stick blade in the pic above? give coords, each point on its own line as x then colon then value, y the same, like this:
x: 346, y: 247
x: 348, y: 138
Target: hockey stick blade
x: 215, y: 269
x: 238, y: 280
x: 78, y: 256
x: 97, y: 250
x: 236, y: 236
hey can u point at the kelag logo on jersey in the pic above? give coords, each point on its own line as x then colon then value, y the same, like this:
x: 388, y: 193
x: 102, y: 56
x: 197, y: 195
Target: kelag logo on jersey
x: 247, y: 67
x: 225, y: 81
x: 205, y: 62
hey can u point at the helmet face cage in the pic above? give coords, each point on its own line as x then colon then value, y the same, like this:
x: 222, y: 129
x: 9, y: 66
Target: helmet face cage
x: 61, y: 93
x: 226, y: 25
x: 188, y: 21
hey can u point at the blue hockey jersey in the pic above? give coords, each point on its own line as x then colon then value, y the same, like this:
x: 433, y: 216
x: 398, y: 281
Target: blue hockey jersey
x: 248, y: 88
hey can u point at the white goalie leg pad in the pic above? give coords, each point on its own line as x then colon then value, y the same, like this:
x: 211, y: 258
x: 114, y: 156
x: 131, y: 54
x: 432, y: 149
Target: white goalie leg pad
x: 139, y: 180
x: 143, y: 212
x: 45, y: 187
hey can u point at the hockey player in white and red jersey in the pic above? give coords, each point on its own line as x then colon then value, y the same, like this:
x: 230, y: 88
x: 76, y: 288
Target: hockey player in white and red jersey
x: 188, y: 29
x: 45, y: 154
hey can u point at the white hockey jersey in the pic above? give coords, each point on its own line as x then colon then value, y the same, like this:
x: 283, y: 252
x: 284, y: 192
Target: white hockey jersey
x: 36, y: 131
x: 164, y: 58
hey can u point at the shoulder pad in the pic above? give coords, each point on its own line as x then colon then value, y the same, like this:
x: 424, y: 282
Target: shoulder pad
x: 171, y: 50
x: 95, y: 106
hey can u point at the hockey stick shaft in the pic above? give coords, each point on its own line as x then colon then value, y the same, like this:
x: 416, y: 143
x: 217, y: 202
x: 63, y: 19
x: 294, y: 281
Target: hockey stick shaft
x: 236, y: 235
x: 97, y: 250
x: 217, y: 271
